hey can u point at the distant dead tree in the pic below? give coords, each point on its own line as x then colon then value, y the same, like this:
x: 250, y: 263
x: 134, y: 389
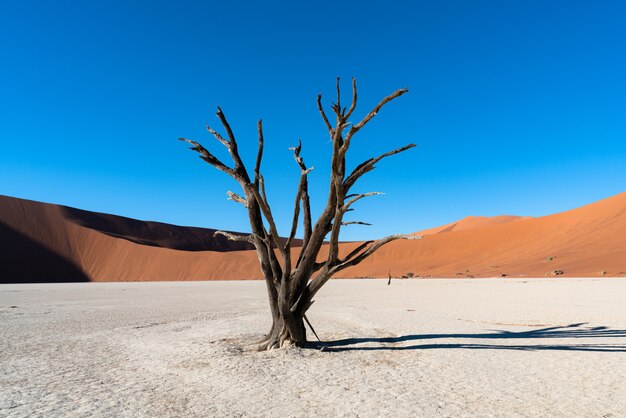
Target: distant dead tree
x: 291, y: 286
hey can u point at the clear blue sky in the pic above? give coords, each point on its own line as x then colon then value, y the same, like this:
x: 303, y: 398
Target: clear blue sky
x: 517, y: 107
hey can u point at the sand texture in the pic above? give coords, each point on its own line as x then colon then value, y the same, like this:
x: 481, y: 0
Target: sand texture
x: 429, y: 348
x: 43, y: 242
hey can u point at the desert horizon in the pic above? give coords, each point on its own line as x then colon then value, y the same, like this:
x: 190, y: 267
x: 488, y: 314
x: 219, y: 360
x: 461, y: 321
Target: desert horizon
x: 103, y: 247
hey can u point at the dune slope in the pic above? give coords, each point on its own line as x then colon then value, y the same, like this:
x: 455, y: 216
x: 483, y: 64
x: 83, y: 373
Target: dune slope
x: 82, y: 245
x: 587, y: 241
x: 472, y: 222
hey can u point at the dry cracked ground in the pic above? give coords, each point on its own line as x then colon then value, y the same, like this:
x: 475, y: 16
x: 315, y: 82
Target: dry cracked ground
x: 488, y: 347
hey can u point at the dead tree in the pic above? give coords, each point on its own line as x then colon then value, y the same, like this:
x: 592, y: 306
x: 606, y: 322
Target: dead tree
x: 292, y: 282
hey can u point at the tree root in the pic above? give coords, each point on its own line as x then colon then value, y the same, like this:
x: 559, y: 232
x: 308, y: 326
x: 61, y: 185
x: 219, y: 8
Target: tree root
x: 283, y: 340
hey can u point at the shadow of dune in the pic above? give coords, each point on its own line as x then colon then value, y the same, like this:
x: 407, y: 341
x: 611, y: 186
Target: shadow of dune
x: 154, y: 234
x: 23, y: 260
x: 158, y: 234
x: 572, y: 331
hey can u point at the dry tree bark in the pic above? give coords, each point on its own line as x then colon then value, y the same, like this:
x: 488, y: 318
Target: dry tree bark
x: 291, y: 286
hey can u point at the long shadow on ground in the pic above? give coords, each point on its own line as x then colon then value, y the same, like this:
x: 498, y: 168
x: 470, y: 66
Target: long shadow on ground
x: 572, y: 331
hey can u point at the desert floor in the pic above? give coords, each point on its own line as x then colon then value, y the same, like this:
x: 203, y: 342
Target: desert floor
x: 478, y: 347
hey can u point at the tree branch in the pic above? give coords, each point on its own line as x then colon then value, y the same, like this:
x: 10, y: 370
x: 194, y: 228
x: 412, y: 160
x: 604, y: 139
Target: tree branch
x: 321, y: 110
x: 267, y: 257
x: 356, y: 259
x: 296, y: 215
x: 306, y: 215
x: 337, y: 106
x: 210, y: 158
x: 267, y: 212
x: 356, y: 198
x: 218, y: 136
x: 356, y: 250
x: 355, y: 223
x: 368, y: 166
x: 268, y: 252
x: 338, y: 87
x: 259, y: 155
x: 229, y: 131
x: 315, y: 285
x: 301, y: 195
x: 355, y: 128
x: 232, y: 143
x: 235, y: 237
x: 354, y: 97
x: 236, y: 198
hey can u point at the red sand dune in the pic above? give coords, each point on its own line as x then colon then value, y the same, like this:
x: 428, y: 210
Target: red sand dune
x: 44, y: 242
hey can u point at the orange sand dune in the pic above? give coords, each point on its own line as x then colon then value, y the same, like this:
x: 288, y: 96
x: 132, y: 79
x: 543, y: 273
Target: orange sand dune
x: 472, y: 222
x: 43, y: 242
x: 582, y: 242
x: 61, y: 244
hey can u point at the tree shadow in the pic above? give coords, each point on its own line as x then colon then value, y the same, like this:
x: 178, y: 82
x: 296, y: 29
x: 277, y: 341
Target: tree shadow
x: 572, y: 331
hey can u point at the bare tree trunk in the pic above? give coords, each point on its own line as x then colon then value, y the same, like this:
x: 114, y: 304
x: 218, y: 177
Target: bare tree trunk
x: 287, y: 327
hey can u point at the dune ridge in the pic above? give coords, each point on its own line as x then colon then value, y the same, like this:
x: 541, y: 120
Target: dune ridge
x: 472, y: 222
x: 583, y: 242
